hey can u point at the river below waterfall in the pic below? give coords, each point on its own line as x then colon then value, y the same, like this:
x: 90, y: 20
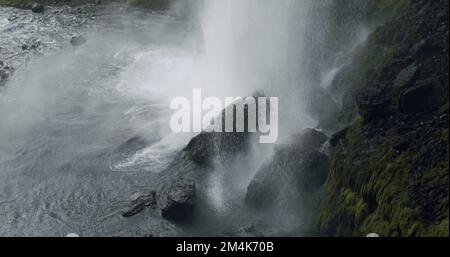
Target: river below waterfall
x: 67, y: 112
x: 85, y: 127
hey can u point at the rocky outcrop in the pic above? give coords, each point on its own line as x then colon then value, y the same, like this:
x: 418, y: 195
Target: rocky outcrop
x: 140, y: 202
x: 37, y: 8
x: 389, y: 170
x: 176, y: 200
x: 374, y: 104
x: 421, y: 98
x: 406, y: 76
x: 207, y: 147
x: 298, y: 167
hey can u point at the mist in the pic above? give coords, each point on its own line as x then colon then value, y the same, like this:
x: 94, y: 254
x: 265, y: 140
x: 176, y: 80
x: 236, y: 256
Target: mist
x: 66, y: 112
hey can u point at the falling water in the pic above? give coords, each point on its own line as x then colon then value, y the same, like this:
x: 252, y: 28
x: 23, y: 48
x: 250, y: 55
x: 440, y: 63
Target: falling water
x: 68, y: 110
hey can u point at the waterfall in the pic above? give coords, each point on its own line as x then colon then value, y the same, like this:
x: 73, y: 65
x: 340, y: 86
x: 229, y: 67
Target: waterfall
x: 257, y: 45
x: 286, y: 48
x: 92, y: 121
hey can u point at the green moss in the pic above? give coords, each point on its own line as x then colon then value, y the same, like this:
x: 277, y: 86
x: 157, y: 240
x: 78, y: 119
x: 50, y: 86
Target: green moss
x: 378, y: 10
x: 24, y: 4
x: 445, y: 134
x: 440, y: 229
x: 371, y: 186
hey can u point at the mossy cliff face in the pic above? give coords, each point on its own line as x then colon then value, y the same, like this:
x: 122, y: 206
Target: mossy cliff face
x: 24, y: 4
x: 389, y: 171
x: 387, y: 183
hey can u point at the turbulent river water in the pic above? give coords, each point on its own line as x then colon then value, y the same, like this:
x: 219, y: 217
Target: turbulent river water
x: 67, y: 111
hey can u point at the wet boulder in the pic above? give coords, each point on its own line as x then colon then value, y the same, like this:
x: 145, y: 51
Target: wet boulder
x: 139, y: 203
x: 77, y: 40
x: 338, y: 136
x: 297, y: 167
x: 422, y: 46
x: 205, y: 147
x: 313, y: 172
x: 406, y: 76
x: 37, y: 8
x: 263, y: 190
x: 423, y: 97
x: 212, y: 146
x: 176, y: 200
x: 374, y: 104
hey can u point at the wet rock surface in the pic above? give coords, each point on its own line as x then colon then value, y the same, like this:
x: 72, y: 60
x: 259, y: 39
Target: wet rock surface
x: 406, y: 76
x: 21, y: 41
x: 338, y: 136
x: 139, y: 203
x: 37, y: 8
x: 374, y: 104
x: 77, y: 40
x: 421, y: 98
x: 176, y: 200
x: 390, y: 168
x: 298, y: 167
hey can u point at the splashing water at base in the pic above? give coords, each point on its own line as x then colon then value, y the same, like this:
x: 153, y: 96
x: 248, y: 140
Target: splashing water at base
x: 84, y: 128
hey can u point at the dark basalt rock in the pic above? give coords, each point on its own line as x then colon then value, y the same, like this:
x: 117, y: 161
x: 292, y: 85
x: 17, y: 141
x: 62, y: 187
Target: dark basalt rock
x: 422, y: 46
x: 209, y: 146
x: 140, y: 203
x: 176, y: 200
x: 313, y: 172
x: 406, y: 76
x: 298, y: 167
x: 421, y: 97
x: 265, y: 187
x: 390, y: 174
x: 37, y: 8
x: 443, y: 109
x: 77, y: 40
x: 338, y: 136
x: 373, y: 104
x: 203, y: 148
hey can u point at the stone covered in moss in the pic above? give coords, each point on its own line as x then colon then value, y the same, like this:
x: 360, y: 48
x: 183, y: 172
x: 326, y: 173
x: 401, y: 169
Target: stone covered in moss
x: 389, y: 172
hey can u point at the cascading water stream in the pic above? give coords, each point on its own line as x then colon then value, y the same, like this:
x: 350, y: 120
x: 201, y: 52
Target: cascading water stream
x: 67, y: 113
